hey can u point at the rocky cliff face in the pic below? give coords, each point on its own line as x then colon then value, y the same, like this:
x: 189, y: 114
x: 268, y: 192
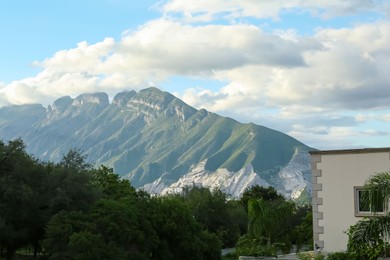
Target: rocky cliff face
x: 291, y: 181
x: 160, y: 143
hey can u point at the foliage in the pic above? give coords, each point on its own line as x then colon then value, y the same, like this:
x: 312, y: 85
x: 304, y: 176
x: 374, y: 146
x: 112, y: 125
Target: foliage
x: 302, y: 232
x: 368, y: 237
x: 259, y: 192
x: 377, y: 191
x: 110, y: 185
x: 69, y: 210
x: 125, y: 229
x: 59, y: 230
x: 249, y: 246
x: 226, y: 219
x: 274, y: 223
x: 182, y: 236
x: 269, y: 221
x: 75, y: 160
x: 342, y: 256
x: 21, y: 196
x: 230, y: 256
x: 310, y: 256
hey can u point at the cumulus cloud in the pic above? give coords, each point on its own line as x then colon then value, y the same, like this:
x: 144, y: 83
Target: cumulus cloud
x: 205, y: 10
x: 158, y: 50
x: 373, y: 117
x: 348, y: 72
x: 281, y: 79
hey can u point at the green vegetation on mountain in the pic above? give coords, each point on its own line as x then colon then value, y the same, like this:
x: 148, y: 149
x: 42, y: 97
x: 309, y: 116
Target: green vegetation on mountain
x: 146, y: 135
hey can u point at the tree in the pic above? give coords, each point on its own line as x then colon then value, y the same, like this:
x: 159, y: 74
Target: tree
x: 268, y: 221
x: 110, y: 184
x: 59, y: 230
x: 70, y: 184
x: 273, y: 223
x: 75, y: 160
x: 22, y: 206
x: 31, y: 192
x: 212, y: 210
x: 368, y: 237
x: 259, y: 192
x: 112, y: 226
x: 302, y: 222
x: 181, y: 237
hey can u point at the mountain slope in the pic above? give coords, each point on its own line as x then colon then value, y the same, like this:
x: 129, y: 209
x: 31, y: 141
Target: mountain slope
x: 156, y: 140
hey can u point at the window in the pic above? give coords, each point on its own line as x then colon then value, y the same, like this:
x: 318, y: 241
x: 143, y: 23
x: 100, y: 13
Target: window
x: 362, y: 210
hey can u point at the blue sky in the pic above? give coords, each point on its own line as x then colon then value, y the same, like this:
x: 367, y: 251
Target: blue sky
x: 316, y: 70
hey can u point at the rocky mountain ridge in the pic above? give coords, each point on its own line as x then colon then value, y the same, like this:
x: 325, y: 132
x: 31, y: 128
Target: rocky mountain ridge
x: 160, y: 143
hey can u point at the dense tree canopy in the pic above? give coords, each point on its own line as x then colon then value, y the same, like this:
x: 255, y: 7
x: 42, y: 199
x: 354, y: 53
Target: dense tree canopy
x: 274, y: 223
x: 71, y: 210
x: 226, y: 219
x: 23, y: 202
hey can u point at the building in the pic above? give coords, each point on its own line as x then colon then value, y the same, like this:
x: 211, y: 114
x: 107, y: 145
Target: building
x: 337, y: 178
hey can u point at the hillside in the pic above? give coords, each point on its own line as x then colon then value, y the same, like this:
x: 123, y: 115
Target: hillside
x: 160, y: 143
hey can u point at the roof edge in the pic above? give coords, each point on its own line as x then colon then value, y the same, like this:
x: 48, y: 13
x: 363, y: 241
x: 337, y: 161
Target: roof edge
x: 352, y: 151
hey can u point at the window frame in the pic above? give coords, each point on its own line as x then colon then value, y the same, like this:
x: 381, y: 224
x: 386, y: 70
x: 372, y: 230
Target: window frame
x: 358, y: 213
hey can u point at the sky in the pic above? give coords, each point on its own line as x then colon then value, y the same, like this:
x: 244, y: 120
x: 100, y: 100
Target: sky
x: 317, y: 70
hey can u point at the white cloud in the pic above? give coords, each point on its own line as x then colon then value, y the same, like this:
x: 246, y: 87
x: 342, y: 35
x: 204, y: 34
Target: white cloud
x: 372, y: 117
x: 334, y: 69
x: 158, y: 50
x: 306, y: 82
x: 205, y: 10
x: 338, y: 76
x: 82, y: 58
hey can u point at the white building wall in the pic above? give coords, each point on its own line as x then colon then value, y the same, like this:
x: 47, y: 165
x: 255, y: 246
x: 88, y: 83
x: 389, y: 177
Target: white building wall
x: 334, y: 177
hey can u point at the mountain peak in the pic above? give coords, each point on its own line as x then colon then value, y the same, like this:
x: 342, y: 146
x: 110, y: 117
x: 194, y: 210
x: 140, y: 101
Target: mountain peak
x: 100, y: 98
x: 62, y: 103
x: 152, y: 135
x: 122, y: 98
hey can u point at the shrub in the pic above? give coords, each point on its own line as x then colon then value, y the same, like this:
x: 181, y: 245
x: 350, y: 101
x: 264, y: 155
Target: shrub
x: 310, y: 256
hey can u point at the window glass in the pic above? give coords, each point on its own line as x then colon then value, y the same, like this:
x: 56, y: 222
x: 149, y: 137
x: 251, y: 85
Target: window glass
x: 361, y: 209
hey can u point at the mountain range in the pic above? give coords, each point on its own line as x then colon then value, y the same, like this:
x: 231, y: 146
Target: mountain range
x: 160, y: 143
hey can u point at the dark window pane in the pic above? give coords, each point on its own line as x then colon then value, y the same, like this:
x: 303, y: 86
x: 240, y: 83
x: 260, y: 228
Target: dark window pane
x: 362, y: 206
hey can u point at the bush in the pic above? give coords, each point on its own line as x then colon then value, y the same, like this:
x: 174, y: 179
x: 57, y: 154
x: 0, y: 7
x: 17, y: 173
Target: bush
x: 248, y: 246
x: 310, y: 256
x: 341, y: 256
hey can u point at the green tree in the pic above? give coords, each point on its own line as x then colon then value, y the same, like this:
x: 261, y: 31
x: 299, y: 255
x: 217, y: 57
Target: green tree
x: 259, y: 192
x: 274, y: 221
x: 181, y: 237
x: 268, y: 221
x: 22, y: 207
x: 70, y: 184
x: 59, y: 231
x: 368, y: 237
x: 212, y: 210
x: 77, y: 161
x: 56, y: 187
x: 302, y: 232
x: 110, y: 185
x: 112, y: 227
